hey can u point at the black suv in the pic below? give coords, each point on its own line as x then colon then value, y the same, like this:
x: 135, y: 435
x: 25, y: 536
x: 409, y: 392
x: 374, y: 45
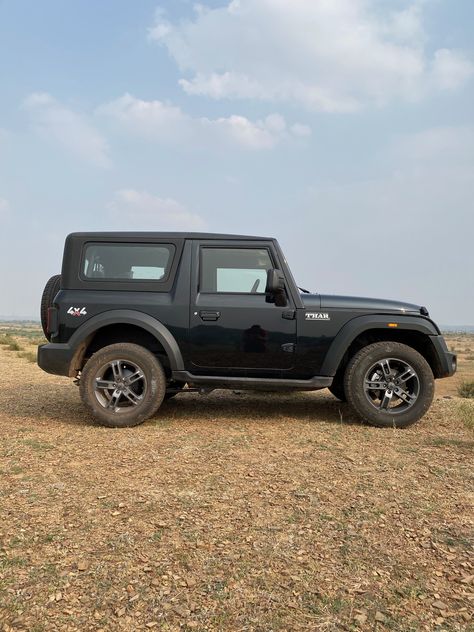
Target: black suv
x: 140, y: 317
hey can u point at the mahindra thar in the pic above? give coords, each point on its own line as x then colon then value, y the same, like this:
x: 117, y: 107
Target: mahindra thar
x: 137, y: 318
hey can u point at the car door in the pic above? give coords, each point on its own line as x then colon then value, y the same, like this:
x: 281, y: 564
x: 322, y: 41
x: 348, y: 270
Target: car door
x: 233, y: 329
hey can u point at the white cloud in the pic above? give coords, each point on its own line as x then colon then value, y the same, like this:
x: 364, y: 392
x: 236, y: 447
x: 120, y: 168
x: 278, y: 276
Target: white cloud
x: 406, y: 24
x: 4, y: 208
x: 330, y: 55
x: 450, y: 69
x: 164, y: 122
x: 58, y: 123
x: 139, y: 210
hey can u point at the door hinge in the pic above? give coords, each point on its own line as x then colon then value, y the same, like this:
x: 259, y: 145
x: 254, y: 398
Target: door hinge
x: 289, y: 347
x: 289, y: 314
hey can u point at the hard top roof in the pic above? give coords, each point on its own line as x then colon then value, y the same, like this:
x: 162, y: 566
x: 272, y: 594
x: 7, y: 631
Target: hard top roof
x: 163, y: 235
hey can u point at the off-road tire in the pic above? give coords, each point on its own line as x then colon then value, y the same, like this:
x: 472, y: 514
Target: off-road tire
x: 355, y: 376
x: 50, y: 290
x: 153, y: 378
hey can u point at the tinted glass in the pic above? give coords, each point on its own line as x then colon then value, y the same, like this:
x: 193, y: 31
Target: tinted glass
x: 135, y: 262
x: 235, y: 270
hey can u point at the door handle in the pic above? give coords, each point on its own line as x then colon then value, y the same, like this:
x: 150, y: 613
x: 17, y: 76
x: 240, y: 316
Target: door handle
x: 209, y: 315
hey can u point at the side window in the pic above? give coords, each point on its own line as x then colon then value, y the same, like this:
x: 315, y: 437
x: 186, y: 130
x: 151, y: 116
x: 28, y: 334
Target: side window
x: 228, y: 270
x: 141, y: 262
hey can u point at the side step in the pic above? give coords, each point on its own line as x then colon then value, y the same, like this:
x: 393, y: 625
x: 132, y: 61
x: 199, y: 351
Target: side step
x: 253, y: 383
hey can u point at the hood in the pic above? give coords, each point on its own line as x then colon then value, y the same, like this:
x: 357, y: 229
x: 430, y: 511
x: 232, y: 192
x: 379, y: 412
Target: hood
x: 360, y: 303
x: 311, y: 301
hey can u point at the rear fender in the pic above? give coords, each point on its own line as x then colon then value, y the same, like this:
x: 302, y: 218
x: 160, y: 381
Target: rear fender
x: 81, y: 336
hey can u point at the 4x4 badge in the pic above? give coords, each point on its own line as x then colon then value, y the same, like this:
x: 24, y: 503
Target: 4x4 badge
x: 317, y: 316
x: 77, y: 311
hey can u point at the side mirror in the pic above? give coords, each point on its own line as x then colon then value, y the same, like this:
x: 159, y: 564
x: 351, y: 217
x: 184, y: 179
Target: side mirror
x: 275, y: 288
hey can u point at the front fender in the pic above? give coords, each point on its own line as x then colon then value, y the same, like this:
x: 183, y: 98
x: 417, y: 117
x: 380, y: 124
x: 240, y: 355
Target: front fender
x: 349, y: 332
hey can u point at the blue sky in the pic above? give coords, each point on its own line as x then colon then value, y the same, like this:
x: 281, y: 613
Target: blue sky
x: 343, y: 127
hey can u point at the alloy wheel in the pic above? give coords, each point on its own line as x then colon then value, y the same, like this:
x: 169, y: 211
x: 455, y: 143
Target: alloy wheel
x: 392, y: 385
x: 120, y: 385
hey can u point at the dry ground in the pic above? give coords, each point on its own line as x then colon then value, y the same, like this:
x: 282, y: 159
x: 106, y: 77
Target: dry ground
x: 232, y: 512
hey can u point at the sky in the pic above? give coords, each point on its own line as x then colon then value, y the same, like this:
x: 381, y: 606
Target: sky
x: 345, y: 128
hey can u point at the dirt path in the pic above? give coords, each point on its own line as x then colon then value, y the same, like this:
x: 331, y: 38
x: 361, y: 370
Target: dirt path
x: 231, y: 512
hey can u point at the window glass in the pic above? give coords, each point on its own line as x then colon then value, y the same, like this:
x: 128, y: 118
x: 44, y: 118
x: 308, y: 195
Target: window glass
x: 235, y: 270
x: 136, y: 262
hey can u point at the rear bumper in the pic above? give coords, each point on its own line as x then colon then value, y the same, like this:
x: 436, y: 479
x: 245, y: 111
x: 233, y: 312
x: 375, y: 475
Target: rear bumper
x: 447, y: 361
x: 55, y: 358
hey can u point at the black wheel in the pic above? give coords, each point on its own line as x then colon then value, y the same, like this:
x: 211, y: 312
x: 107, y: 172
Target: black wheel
x: 122, y: 385
x: 50, y: 290
x: 389, y: 384
x: 337, y: 388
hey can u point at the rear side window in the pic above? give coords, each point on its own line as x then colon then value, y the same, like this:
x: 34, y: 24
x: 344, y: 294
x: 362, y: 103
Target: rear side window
x: 127, y: 262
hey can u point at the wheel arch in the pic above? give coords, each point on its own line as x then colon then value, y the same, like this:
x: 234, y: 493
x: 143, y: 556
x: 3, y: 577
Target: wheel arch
x: 124, y: 326
x: 365, y: 330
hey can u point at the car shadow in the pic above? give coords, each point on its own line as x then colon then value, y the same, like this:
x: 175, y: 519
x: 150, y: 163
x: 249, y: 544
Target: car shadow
x: 265, y: 407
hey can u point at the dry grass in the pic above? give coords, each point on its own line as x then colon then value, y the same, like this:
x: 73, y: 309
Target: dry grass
x: 10, y: 343
x: 466, y: 389
x: 231, y: 513
x: 30, y: 356
x: 466, y: 413
x: 463, y: 344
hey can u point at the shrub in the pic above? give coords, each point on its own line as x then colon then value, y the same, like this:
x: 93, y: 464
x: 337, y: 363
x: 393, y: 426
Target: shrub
x: 11, y: 343
x: 466, y: 389
x: 14, y: 346
x: 30, y: 356
x: 466, y: 413
x: 38, y: 340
